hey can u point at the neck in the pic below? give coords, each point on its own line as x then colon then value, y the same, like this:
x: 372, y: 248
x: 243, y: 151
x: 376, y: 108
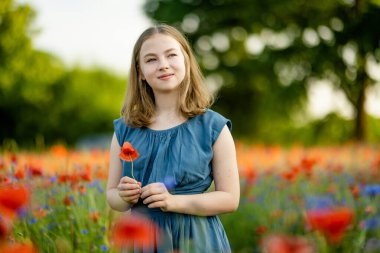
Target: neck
x: 167, y: 111
x: 167, y: 104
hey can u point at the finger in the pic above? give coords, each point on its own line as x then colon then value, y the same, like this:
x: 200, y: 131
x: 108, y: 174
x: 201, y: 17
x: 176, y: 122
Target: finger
x: 151, y: 186
x: 152, y: 190
x: 131, y: 201
x: 144, y: 194
x: 153, y: 198
x: 130, y: 198
x: 128, y: 180
x: 129, y: 193
x: 147, y: 193
x: 124, y: 187
x: 157, y: 204
x: 134, y: 201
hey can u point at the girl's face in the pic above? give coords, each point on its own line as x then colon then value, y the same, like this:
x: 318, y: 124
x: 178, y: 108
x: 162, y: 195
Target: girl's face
x: 162, y: 63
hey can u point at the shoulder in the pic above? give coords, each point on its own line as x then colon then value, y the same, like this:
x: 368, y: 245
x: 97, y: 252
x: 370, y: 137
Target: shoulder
x: 213, y: 122
x: 121, y: 129
x: 215, y: 119
x: 118, y: 123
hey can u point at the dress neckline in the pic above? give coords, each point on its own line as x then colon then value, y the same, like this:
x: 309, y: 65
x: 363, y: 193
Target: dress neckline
x: 170, y: 129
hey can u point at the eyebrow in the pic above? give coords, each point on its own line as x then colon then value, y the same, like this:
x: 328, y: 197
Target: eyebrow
x: 166, y: 51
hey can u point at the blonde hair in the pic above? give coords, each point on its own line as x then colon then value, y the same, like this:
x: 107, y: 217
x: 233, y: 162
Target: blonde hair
x: 139, y: 103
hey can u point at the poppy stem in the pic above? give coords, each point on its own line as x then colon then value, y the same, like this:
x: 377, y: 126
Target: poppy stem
x: 130, y: 158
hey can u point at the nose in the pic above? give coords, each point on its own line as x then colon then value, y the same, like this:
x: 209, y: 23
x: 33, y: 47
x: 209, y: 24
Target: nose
x: 163, y: 64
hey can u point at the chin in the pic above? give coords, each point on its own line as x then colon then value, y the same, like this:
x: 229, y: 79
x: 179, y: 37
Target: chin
x: 167, y: 89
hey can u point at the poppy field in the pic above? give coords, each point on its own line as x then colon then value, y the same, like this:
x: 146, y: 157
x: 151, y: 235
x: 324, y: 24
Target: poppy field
x: 318, y: 199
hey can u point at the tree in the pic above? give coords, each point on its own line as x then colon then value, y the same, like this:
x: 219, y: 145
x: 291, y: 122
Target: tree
x: 264, y: 54
x: 86, y: 102
x: 15, y: 58
x: 41, y: 98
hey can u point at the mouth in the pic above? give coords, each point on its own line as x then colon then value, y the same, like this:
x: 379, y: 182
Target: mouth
x: 165, y: 76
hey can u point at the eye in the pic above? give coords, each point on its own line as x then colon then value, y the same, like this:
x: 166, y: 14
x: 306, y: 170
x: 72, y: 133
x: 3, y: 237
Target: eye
x: 150, y: 59
x: 172, y: 55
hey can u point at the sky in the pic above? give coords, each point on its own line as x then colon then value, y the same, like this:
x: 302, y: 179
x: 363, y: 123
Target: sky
x: 103, y: 32
x: 88, y: 32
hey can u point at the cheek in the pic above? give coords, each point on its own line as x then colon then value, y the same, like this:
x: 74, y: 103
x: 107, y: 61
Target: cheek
x: 146, y: 71
x: 180, y: 64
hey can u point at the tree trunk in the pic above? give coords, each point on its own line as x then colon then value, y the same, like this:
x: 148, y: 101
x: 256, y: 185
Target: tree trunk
x: 360, y: 117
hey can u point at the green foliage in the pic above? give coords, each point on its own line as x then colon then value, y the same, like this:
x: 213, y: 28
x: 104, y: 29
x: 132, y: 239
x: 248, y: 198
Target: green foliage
x: 274, y: 206
x: 265, y: 54
x: 86, y: 103
x: 374, y: 130
x: 57, y: 227
x: 69, y: 212
x: 260, y: 58
x: 42, y: 100
x: 329, y: 130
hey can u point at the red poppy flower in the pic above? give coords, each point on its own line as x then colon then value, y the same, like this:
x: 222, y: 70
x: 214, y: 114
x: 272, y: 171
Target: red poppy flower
x: 5, y: 227
x: 86, y: 173
x: 18, y: 248
x: 307, y: 164
x: 250, y: 174
x: 101, y: 173
x: 35, y: 171
x: 5, y: 179
x: 82, y: 189
x: 2, y: 164
x: 63, y: 178
x: 134, y: 230
x: 59, y: 151
x: 67, y: 201
x: 286, y: 244
x: 19, y: 174
x: 13, y: 158
x: 289, y: 175
x: 39, y: 213
x: 128, y: 153
x: 355, y: 191
x: 261, y: 230
x: 94, y: 216
x: 74, y: 178
x: 331, y: 222
x: 12, y: 198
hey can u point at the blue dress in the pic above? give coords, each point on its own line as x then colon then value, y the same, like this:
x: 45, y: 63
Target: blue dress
x: 181, y: 158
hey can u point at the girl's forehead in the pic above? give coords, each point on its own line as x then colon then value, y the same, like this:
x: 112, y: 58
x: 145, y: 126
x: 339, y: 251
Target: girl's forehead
x: 159, y: 43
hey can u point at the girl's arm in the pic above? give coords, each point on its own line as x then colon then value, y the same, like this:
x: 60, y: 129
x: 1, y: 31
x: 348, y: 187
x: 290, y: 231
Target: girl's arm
x: 224, y: 199
x: 122, y: 192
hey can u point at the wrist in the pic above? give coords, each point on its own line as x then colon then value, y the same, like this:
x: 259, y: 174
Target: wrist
x: 174, y: 204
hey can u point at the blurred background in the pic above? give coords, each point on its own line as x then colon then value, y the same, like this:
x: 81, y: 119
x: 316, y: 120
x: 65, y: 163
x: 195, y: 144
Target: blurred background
x: 285, y: 72
x: 300, y: 81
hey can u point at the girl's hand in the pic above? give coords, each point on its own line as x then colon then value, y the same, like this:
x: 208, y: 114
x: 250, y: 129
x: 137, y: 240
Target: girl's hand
x: 156, y: 195
x: 129, y: 190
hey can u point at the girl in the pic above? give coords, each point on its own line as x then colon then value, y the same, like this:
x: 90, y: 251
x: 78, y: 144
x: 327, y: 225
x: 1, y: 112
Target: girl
x: 183, y: 147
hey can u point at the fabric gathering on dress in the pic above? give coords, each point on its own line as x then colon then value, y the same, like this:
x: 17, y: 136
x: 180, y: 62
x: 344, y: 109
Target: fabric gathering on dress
x: 181, y: 158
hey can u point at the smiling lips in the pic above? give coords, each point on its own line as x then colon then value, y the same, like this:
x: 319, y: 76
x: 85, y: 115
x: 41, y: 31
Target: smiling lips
x: 165, y: 76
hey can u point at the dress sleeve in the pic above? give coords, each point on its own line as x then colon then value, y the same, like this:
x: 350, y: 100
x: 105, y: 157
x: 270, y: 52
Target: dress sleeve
x: 217, y: 123
x: 120, y: 130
